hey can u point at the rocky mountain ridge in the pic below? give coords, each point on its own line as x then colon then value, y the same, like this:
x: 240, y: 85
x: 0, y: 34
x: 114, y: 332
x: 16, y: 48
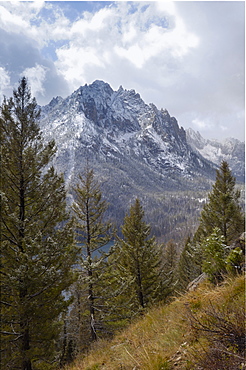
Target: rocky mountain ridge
x: 113, y: 126
x: 136, y: 150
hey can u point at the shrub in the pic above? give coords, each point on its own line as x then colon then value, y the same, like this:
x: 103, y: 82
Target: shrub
x: 223, y: 328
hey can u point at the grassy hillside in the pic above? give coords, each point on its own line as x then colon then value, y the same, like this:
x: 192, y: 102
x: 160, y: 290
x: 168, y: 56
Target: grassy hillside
x: 203, y: 329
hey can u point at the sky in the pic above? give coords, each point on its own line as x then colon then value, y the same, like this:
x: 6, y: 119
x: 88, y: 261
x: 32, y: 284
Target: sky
x: 183, y: 56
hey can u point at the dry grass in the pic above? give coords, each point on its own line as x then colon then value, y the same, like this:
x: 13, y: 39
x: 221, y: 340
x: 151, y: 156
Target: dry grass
x: 164, y: 338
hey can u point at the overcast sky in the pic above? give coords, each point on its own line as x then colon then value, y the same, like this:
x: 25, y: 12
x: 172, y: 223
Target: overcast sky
x: 185, y: 56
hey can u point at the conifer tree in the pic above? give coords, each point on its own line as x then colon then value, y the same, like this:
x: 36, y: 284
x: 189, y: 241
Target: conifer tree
x: 138, y: 261
x: 189, y: 264
x: 94, y: 234
x: 214, y: 256
x: 235, y: 261
x: 223, y: 209
x: 37, y: 242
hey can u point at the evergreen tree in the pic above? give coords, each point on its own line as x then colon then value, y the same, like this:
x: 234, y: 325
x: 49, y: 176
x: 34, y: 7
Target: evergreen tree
x: 37, y: 242
x: 94, y: 235
x: 235, y: 261
x: 222, y: 210
x: 214, y: 256
x: 189, y: 264
x: 138, y: 261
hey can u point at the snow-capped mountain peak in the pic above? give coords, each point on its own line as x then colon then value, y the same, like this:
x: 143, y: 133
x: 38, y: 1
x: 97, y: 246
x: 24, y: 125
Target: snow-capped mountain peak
x: 135, y: 149
x: 118, y: 128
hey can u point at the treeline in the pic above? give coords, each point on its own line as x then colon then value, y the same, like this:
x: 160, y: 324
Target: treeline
x: 179, y: 216
x: 67, y: 277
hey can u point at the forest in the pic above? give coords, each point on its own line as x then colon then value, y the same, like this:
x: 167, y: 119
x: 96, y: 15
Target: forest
x: 68, y: 277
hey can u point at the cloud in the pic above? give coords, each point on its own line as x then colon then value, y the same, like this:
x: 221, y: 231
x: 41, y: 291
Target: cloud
x: 187, y: 57
x: 36, y: 76
x: 201, y: 125
x: 4, y: 81
x: 22, y: 39
x: 10, y: 21
x: 125, y: 34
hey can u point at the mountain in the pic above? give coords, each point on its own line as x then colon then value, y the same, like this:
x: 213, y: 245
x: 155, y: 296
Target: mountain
x: 118, y: 128
x: 230, y: 150
x: 135, y: 149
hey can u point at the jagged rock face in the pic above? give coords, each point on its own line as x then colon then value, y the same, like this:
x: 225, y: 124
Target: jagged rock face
x: 118, y: 127
x: 135, y: 149
x: 230, y: 150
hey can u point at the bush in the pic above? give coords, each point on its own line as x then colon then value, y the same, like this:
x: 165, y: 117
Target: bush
x: 214, y: 254
x: 223, y: 328
x: 235, y: 261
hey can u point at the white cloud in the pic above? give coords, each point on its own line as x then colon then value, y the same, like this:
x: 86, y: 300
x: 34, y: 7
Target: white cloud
x: 36, y: 76
x: 4, y: 81
x: 90, y: 24
x: 73, y: 61
x: 223, y: 128
x: 129, y: 35
x: 187, y: 57
x: 118, y: 32
x: 26, y: 18
x: 10, y: 21
x: 201, y: 124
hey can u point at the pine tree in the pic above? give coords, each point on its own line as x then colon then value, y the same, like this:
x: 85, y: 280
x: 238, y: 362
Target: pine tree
x: 37, y: 242
x: 138, y: 261
x: 214, y: 256
x: 222, y: 210
x: 94, y: 236
x: 189, y: 264
x: 235, y: 261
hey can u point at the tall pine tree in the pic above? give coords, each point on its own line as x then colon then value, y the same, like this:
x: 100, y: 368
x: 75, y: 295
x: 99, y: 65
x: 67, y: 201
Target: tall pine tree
x: 94, y: 235
x: 37, y: 243
x: 223, y: 209
x: 138, y: 261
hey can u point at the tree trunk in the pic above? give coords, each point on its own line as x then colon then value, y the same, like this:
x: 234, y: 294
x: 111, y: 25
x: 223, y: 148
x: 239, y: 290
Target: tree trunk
x: 140, y: 289
x: 90, y: 291
x: 24, y: 326
x: 92, y: 311
x: 26, y: 362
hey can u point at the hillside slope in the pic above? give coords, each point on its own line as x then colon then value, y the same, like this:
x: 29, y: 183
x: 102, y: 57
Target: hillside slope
x: 203, y: 329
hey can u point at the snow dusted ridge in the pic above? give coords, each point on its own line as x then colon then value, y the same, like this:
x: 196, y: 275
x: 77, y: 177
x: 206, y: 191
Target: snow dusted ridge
x: 135, y: 149
x: 230, y: 150
x: 119, y: 128
x: 129, y: 143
